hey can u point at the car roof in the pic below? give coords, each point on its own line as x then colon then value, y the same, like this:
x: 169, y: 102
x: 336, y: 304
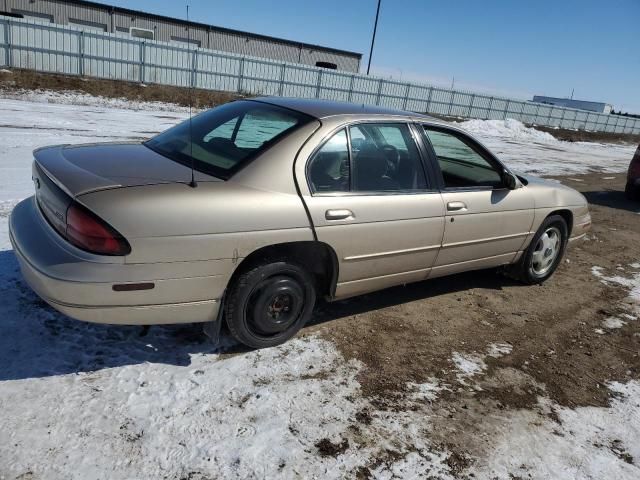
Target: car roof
x: 329, y: 108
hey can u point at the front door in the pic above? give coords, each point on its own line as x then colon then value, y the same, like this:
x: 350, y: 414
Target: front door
x: 368, y: 197
x: 486, y: 224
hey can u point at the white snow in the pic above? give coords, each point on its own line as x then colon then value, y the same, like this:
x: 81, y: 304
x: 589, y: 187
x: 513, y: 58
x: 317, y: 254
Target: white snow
x: 613, y: 322
x: 471, y: 364
x: 588, y: 443
x: 497, y: 350
x: 84, y: 99
x: 509, y: 128
x: 468, y: 365
x: 528, y: 150
x: 632, y: 283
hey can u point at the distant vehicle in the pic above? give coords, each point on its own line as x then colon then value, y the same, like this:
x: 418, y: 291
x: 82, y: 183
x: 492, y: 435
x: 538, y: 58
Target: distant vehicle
x: 632, y: 189
x: 295, y: 199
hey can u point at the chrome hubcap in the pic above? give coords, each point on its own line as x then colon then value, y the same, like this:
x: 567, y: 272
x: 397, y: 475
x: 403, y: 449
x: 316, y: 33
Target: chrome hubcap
x: 546, y: 251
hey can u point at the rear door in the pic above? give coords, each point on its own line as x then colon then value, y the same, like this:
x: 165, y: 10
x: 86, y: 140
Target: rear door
x: 368, y: 196
x: 486, y: 224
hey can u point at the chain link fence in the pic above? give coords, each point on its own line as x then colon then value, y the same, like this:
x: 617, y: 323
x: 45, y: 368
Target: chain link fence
x: 60, y: 49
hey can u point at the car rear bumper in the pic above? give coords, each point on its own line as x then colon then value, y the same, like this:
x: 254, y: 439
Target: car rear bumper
x: 81, y: 285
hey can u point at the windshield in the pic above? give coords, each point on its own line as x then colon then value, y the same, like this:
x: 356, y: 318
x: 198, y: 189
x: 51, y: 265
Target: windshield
x: 225, y: 138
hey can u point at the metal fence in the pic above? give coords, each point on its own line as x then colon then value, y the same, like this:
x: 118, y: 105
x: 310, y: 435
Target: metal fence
x: 68, y: 50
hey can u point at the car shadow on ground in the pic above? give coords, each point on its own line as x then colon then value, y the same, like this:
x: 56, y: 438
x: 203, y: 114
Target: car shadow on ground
x: 612, y: 199
x: 37, y: 341
x: 487, y: 279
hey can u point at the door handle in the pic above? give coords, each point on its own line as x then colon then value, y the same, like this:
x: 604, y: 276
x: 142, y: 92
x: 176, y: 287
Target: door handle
x: 339, y: 214
x: 456, y: 206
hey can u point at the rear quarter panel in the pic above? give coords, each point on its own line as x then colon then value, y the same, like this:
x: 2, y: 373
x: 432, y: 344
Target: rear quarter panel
x: 219, y: 220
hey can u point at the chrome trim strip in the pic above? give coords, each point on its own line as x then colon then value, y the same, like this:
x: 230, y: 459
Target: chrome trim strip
x: 390, y: 275
x: 370, y: 256
x: 484, y: 240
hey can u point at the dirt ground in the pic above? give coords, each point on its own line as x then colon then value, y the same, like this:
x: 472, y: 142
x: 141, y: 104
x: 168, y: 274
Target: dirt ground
x: 29, y: 80
x: 409, y: 334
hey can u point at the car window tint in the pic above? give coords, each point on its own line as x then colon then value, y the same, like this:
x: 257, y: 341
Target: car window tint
x: 460, y: 164
x: 257, y: 128
x: 224, y: 138
x: 385, y: 158
x: 329, y: 168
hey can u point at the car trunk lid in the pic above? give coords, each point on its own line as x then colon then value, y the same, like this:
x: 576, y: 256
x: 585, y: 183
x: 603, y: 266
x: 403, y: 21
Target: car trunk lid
x: 82, y: 169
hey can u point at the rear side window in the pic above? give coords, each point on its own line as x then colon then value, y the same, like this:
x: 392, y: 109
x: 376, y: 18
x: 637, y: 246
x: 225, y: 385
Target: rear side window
x: 227, y: 137
x: 368, y: 158
x: 329, y: 168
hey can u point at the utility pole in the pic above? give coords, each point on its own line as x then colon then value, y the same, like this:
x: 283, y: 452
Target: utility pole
x: 373, y: 38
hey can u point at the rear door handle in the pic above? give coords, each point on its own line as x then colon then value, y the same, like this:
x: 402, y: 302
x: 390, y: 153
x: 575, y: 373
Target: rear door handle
x: 456, y: 206
x: 339, y: 214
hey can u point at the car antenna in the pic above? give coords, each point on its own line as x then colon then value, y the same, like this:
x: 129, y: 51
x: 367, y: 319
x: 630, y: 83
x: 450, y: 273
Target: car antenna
x: 193, y: 183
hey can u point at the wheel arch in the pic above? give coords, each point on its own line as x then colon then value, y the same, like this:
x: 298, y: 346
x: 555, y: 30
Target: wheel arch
x: 567, y: 215
x: 318, y: 258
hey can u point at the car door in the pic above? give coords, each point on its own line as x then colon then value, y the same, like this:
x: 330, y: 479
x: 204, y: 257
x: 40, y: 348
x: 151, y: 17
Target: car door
x: 368, y: 196
x: 486, y: 224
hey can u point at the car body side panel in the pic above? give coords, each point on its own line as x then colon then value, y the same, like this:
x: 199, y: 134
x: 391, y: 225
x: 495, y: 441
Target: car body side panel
x: 390, y: 238
x: 66, y: 278
x: 551, y: 196
x: 493, y: 225
x: 388, y: 235
x: 173, y: 223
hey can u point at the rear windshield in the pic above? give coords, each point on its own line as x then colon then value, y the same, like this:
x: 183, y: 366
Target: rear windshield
x: 225, y: 138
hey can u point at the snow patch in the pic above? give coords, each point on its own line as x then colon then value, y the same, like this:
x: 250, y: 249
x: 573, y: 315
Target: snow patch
x: 509, y: 128
x: 468, y: 365
x: 585, y: 443
x: 613, y: 323
x: 427, y: 391
x: 632, y: 283
x: 70, y: 97
x: 497, y: 350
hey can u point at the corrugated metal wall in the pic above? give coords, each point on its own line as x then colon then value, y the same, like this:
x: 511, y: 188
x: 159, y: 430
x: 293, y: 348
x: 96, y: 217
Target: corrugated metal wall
x: 64, y: 13
x: 70, y: 50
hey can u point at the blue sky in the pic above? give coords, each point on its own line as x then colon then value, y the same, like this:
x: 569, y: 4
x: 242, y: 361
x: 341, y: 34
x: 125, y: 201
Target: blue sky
x: 517, y: 48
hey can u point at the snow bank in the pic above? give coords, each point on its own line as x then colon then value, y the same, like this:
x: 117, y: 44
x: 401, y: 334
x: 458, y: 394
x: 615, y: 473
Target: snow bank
x: 70, y: 97
x: 509, y: 128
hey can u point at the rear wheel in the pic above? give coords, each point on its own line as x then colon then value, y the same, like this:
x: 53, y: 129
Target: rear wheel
x: 631, y: 191
x: 268, y: 304
x: 544, y: 254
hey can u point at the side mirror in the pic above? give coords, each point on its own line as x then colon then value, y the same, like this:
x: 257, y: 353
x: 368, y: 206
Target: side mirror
x: 510, y: 180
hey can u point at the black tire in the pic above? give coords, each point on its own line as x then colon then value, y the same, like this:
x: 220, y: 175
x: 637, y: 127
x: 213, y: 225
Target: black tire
x: 631, y: 191
x: 269, y: 304
x: 531, y: 272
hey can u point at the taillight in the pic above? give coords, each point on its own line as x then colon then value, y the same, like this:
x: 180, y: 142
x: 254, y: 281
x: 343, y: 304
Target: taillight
x: 88, y: 232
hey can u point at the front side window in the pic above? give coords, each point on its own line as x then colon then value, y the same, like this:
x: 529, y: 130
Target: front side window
x: 225, y: 138
x: 461, y: 165
x: 385, y: 158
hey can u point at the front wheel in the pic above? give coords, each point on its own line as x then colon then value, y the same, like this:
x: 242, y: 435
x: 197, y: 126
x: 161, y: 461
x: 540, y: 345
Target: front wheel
x: 631, y: 191
x: 268, y: 304
x: 544, y: 254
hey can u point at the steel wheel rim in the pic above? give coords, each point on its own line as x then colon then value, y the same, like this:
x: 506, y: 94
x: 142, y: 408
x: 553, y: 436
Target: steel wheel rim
x: 274, y: 305
x: 546, y: 251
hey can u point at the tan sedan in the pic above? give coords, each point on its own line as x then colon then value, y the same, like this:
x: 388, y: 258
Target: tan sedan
x: 290, y: 199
